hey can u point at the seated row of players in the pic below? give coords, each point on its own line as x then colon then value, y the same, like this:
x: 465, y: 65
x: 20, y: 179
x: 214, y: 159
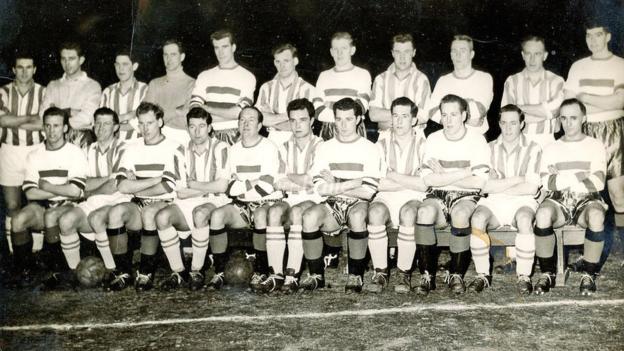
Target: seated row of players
x: 414, y: 183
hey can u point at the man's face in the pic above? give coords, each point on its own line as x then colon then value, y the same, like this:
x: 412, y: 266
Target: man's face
x: 346, y: 123
x: 24, y: 70
x: 285, y: 63
x: 248, y: 123
x: 401, y: 120
x: 224, y: 50
x: 342, y: 50
x: 572, y: 120
x: 403, y: 53
x: 125, y: 68
x: 70, y: 61
x: 104, y: 127
x: 54, y: 129
x: 510, y: 126
x: 300, y: 123
x: 534, y: 55
x: 198, y: 130
x: 597, y: 39
x: 172, y: 57
x: 461, y: 54
x: 150, y: 126
x: 452, y: 117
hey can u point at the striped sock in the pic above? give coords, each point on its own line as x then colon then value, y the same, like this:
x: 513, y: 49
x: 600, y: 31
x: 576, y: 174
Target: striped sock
x: 378, y: 245
x: 276, y: 246
x: 200, y: 238
x: 171, y: 246
x: 406, y: 246
x: 295, y: 248
x: 101, y: 240
x: 70, y: 243
x: 480, y: 249
x: 525, y: 253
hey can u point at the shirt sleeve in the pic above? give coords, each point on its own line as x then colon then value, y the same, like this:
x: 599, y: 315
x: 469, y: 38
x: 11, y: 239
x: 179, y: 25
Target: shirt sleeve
x: 377, y: 92
x: 480, y: 162
x: 247, y: 93
x: 90, y: 102
x: 31, y: 179
x: 78, y: 171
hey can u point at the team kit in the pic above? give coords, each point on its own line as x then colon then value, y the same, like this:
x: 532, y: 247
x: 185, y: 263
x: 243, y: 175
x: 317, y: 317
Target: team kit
x: 150, y: 167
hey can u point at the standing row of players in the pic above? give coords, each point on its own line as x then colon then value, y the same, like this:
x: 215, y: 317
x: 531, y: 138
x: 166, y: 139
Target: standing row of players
x: 162, y: 192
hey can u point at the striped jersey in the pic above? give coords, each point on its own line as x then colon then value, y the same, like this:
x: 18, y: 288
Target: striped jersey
x: 387, y: 87
x: 348, y: 160
x: 164, y: 159
x: 297, y: 160
x: 581, y: 165
x: 211, y: 164
x: 333, y: 85
x: 522, y: 161
x: 12, y: 102
x: 548, y: 90
x: 598, y: 77
x: 477, y: 89
x: 274, y: 97
x: 224, y: 88
x: 116, y: 100
x: 105, y: 163
x: 66, y: 165
x: 260, y: 162
x: 471, y: 151
x: 403, y: 160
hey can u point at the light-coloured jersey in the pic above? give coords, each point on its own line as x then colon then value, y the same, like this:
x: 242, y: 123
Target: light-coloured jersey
x: 274, y: 97
x: 259, y: 162
x: 548, y: 90
x: 164, y: 159
x: 66, y: 165
x: 333, y: 85
x: 299, y: 161
x: 224, y: 88
x: 522, y: 161
x: 580, y: 166
x: 81, y: 93
x: 14, y: 103
x: 477, y: 89
x: 105, y: 163
x: 116, y: 100
x: 345, y: 161
x: 173, y: 93
x: 387, y: 87
x: 598, y: 77
x: 471, y: 151
x: 210, y: 165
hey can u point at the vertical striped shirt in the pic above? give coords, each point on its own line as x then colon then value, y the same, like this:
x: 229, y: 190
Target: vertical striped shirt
x: 12, y: 102
x: 209, y: 165
x: 404, y: 160
x: 105, y: 163
x: 548, y: 90
x: 122, y: 103
x: 522, y: 161
x: 274, y: 96
x: 297, y: 160
x: 333, y: 85
x: 387, y: 87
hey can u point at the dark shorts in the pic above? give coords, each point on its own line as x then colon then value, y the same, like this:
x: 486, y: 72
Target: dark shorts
x: 611, y: 133
x: 573, y: 204
x: 339, y: 208
x: 328, y: 130
x: 446, y: 199
x: 247, y: 209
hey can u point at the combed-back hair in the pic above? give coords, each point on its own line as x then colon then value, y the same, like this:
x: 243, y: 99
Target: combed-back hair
x: 405, y: 101
x: 55, y: 111
x: 260, y: 115
x: 199, y: 112
x: 223, y: 33
x: 283, y: 47
x: 466, y: 38
x: 72, y: 45
x: 574, y: 101
x: 346, y: 104
x: 105, y: 111
x: 511, y: 108
x: 175, y: 42
x: 300, y: 104
x: 450, y: 98
x: 146, y: 107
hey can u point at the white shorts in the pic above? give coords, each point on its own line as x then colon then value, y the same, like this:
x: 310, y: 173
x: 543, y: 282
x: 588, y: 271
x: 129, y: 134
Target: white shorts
x: 296, y: 199
x: 504, y: 207
x: 394, y: 200
x: 179, y: 135
x: 187, y: 206
x: 541, y: 139
x: 13, y: 164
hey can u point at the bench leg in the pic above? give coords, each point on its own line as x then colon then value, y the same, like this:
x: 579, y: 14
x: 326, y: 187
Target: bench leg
x: 562, y: 272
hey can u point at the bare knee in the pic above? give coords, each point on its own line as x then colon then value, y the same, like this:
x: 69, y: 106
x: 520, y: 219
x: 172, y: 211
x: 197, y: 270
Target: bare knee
x: 163, y: 218
x: 544, y: 217
x: 275, y: 216
x: 427, y: 214
x: 357, y: 217
x: 377, y: 214
x: 67, y: 221
x: 408, y: 215
x: 595, y: 219
x: 311, y: 218
x: 217, y: 218
x: 480, y: 219
x: 296, y: 214
x: 524, y: 221
x: 18, y: 222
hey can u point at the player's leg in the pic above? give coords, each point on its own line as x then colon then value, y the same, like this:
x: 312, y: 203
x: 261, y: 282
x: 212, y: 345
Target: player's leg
x: 200, y: 239
x: 168, y: 219
x: 406, y: 245
x: 295, y: 247
x: 430, y: 214
x: 98, y: 220
x: 149, y: 246
x: 70, y: 223
x: 378, y: 216
x: 525, y: 248
x: 357, y: 244
x: 58, y: 270
x: 260, y: 262
x: 277, y: 216
x: 28, y: 218
x: 592, y: 218
x: 123, y: 220
x: 459, y: 244
x: 482, y: 218
x: 549, y: 215
x: 616, y: 193
x: 315, y: 218
x: 13, y: 203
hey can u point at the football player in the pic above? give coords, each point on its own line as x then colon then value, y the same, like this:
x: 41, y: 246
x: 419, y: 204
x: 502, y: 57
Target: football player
x: 573, y: 172
x: 401, y: 191
x: 512, y: 188
x: 346, y: 170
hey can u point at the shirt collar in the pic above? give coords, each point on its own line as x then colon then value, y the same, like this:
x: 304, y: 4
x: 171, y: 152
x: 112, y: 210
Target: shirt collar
x: 81, y: 77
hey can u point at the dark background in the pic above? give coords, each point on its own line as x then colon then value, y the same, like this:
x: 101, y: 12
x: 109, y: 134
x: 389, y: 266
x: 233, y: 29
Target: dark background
x: 496, y: 26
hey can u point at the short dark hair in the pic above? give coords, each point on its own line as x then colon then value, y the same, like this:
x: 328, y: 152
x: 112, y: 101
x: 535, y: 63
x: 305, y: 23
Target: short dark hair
x: 450, y: 98
x: 108, y: 112
x: 24, y: 54
x: 198, y: 112
x: 55, y: 111
x: 574, y: 101
x: 223, y: 33
x: 594, y: 23
x: 403, y: 38
x: 300, y: 104
x: 125, y: 51
x: 260, y: 115
x: 464, y: 37
x: 175, y: 42
x: 511, y: 108
x: 532, y: 38
x: 146, y: 107
x: 405, y: 101
x: 283, y: 47
x: 346, y: 104
x: 72, y: 45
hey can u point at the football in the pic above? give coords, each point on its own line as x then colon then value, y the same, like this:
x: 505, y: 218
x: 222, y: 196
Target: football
x: 90, y: 271
x: 238, y: 270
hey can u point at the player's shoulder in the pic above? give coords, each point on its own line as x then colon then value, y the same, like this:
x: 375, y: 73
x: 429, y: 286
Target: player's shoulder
x: 482, y: 75
x: 158, y: 81
x: 361, y: 70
